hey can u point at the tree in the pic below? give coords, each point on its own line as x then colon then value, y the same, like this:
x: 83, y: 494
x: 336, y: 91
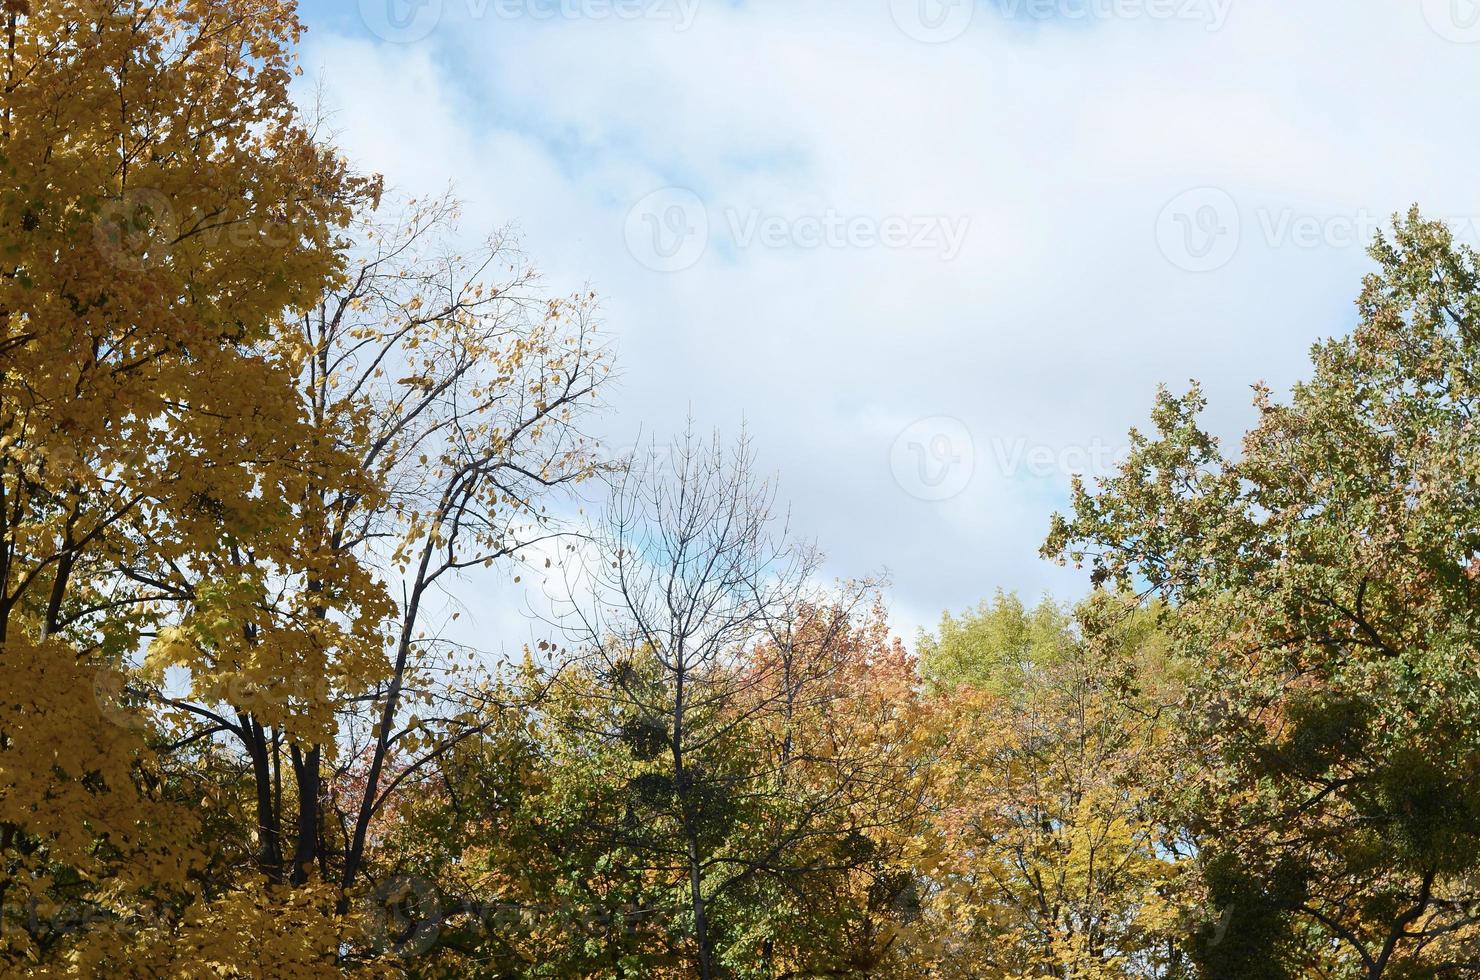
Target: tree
x: 164, y: 209
x: 553, y: 845
x: 540, y: 845
x: 987, y: 647
x: 1048, y: 853
x: 1327, y: 581
x: 722, y: 669
x: 467, y: 443
x: 454, y: 401
x: 819, y: 883
x: 687, y: 574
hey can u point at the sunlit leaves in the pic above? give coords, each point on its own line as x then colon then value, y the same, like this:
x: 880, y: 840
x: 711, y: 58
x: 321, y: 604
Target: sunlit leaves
x: 1324, y: 580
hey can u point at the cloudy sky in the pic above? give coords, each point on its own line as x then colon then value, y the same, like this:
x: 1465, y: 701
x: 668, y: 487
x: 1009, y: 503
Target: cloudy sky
x: 937, y: 255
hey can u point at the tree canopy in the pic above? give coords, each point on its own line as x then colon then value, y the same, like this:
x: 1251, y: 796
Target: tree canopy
x: 258, y: 412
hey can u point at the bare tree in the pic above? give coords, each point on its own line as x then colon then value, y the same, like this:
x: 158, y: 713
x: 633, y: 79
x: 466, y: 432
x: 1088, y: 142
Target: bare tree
x: 689, y: 566
x: 692, y: 607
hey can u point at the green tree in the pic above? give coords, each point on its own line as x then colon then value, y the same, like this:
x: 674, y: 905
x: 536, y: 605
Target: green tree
x: 1328, y: 580
x: 991, y: 645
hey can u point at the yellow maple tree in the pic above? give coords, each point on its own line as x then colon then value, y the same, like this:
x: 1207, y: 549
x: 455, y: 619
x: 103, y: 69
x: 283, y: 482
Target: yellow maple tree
x: 162, y: 209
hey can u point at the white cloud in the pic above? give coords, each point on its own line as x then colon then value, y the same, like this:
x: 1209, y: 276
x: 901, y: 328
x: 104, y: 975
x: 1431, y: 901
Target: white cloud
x: 1059, y: 141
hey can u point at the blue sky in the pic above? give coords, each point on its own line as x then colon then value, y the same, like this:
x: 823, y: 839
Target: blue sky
x: 936, y: 255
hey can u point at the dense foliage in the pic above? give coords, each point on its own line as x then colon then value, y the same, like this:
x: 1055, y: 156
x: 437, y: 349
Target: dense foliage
x: 256, y: 414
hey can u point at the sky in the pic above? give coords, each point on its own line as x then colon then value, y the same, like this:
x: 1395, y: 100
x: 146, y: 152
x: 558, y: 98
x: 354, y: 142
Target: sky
x: 934, y: 255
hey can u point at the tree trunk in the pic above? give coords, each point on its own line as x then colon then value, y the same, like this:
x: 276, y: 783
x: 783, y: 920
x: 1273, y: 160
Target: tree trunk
x: 269, y: 833
x: 691, y: 834
x: 696, y: 897
x: 306, y: 773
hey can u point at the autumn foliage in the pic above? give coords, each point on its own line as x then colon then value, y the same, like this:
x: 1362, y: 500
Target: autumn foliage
x: 258, y: 413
